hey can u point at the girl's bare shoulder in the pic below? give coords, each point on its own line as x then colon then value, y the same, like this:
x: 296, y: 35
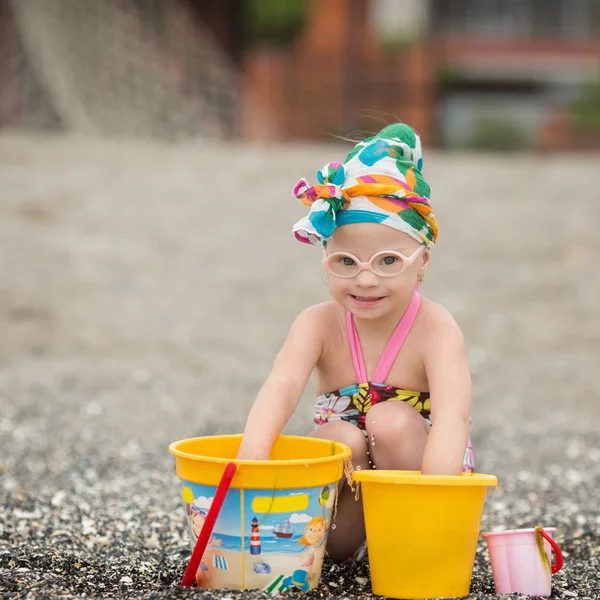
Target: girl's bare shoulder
x: 327, y: 320
x: 436, y: 321
x: 324, y: 313
x: 325, y: 316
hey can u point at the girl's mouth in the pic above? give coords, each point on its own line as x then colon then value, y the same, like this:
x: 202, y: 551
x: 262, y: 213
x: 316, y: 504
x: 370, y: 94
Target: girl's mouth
x: 367, y: 300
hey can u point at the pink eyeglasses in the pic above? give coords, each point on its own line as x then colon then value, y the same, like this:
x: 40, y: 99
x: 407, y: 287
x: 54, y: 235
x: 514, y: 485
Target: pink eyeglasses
x: 387, y: 263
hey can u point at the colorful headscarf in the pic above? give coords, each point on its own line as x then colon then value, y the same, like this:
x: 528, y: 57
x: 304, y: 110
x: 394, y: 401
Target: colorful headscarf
x: 380, y: 181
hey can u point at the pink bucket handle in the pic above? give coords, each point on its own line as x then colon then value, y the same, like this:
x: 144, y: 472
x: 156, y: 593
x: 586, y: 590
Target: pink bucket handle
x: 560, y: 561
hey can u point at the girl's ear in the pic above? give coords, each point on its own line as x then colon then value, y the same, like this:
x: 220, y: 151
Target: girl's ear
x: 426, y: 259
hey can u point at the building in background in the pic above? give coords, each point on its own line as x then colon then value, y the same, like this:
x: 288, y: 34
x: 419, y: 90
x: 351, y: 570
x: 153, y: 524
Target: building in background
x: 518, y: 74
x: 491, y: 74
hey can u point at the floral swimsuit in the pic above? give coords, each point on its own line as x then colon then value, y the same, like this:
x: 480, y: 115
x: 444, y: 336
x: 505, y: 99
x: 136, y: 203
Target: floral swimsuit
x: 352, y: 403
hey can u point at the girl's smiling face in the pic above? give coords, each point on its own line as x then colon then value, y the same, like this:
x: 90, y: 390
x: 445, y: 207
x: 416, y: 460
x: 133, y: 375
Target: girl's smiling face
x: 368, y: 295
x: 314, y: 533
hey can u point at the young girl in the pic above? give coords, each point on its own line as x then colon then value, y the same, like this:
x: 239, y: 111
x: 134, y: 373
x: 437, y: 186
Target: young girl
x: 391, y: 368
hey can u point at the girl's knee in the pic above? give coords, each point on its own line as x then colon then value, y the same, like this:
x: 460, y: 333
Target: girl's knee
x: 346, y: 433
x: 391, y: 419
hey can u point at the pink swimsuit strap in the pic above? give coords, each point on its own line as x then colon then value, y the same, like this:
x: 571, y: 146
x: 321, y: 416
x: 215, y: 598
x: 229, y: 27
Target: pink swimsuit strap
x: 392, y: 348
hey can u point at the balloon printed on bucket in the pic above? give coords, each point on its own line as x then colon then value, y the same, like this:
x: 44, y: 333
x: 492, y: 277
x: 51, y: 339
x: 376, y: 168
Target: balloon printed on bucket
x: 327, y: 496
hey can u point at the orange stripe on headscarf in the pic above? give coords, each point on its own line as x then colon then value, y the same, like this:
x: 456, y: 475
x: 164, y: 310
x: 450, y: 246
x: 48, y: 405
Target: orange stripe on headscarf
x: 390, y: 186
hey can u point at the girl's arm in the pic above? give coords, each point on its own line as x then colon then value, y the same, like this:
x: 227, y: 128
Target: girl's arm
x: 449, y: 381
x: 283, y: 389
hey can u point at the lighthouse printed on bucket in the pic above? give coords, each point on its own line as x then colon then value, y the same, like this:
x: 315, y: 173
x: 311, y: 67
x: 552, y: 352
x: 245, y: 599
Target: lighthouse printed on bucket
x: 255, y: 538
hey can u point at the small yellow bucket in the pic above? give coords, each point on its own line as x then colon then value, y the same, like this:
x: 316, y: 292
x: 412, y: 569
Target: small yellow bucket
x: 272, y: 528
x: 422, y: 531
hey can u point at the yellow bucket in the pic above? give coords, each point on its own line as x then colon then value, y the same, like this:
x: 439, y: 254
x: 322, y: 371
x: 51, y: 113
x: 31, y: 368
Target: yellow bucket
x: 272, y: 528
x: 422, y: 531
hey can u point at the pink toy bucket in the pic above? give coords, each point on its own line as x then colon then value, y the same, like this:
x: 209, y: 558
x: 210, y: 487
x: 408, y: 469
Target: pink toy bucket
x: 521, y: 560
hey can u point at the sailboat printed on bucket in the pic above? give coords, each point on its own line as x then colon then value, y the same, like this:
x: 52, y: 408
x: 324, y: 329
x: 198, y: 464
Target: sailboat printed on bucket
x: 285, y: 531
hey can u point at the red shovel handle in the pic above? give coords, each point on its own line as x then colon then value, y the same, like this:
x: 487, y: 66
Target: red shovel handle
x: 189, y: 577
x: 560, y: 561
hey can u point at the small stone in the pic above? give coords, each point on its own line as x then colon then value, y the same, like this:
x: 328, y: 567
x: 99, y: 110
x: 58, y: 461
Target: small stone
x: 88, y: 526
x: 27, y: 516
x: 58, y: 498
x: 360, y: 580
x: 126, y: 580
x: 9, y: 483
x: 59, y: 532
x: 103, y: 541
x: 36, y: 584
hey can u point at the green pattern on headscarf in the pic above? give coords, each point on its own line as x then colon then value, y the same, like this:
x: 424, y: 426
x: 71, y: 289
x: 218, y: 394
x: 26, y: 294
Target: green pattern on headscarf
x: 379, y: 181
x: 399, y: 131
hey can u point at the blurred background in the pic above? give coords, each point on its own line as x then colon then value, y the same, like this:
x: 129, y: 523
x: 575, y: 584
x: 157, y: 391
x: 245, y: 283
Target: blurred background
x: 148, y: 274
x: 492, y: 74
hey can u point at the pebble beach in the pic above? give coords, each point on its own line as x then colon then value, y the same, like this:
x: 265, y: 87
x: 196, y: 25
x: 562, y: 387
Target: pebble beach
x: 146, y: 288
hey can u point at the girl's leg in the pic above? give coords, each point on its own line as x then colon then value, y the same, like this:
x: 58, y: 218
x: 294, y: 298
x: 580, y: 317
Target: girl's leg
x: 397, y: 435
x: 349, y: 533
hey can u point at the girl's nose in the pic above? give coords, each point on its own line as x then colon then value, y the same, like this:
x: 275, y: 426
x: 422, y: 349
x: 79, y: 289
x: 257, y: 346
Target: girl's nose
x: 366, y: 279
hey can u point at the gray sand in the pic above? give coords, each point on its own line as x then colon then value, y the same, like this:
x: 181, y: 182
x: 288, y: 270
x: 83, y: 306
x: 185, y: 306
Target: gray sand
x: 145, y: 289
